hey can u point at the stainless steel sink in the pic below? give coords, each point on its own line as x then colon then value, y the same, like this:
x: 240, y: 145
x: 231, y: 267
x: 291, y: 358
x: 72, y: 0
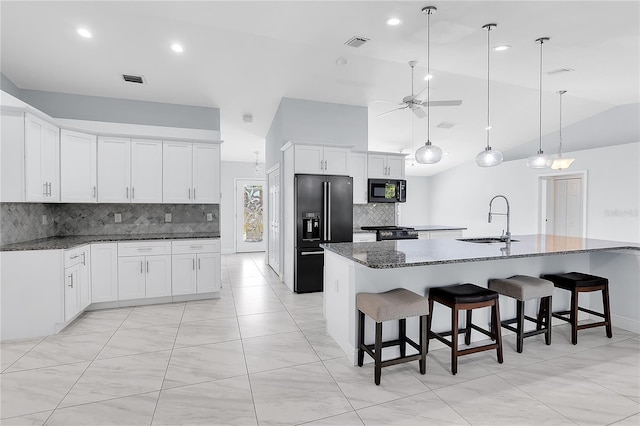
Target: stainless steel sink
x: 485, y: 240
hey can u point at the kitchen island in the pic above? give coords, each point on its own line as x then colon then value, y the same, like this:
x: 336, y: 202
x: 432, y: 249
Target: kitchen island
x: 351, y: 268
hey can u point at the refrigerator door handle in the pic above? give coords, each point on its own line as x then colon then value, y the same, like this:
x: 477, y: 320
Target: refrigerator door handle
x: 329, y: 211
x: 309, y: 253
x: 324, y: 212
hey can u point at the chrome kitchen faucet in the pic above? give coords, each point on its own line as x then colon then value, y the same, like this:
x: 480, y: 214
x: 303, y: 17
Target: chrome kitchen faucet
x: 506, y: 237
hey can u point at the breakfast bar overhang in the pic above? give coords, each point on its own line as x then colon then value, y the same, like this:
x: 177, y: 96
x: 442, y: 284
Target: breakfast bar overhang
x: 351, y: 268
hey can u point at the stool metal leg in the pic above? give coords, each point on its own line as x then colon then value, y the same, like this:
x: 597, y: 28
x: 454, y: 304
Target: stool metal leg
x: 607, y: 310
x: 454, y: 340
x: 402, y: 327
x: 378, y: 353
x: 360, y: 338
x: 520, y: 325
x: 423, y: 344
x: 429, y: 319
x: 574, y: 317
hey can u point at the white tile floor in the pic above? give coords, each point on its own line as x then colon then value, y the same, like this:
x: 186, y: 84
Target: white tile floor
x: 260, y: 355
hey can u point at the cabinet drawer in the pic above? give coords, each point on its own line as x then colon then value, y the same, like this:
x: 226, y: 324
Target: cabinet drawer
x: 75, y: 256
x: 144, y: 248
x: 195, y: 246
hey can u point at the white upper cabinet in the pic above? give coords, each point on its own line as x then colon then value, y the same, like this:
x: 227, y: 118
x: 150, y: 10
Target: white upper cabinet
x: 78, y: 167
x: 316, y: 159
x: 358, y: 168
x: 114, y: 170
x: 206, y: 173
x: 146, y: 171
x: 42, y: 160
x: 12, y: 156
x: 191, y: 173
x: 129, y: 170
x: 386, y: 166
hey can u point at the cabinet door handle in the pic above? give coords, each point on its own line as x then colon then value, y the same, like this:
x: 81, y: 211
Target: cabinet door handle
x: 193, y: 264
x: 84, y: 259
x: 71, y: 281
x: 133, y: 193
x: 94, y: 192
x: 189, y: 193
x: 127, y: 192
x: 141, y: 270
x: 44, y: 189
x: 198, y: 263
x: 325, y: 164
x: 194, y: 194
x: 50, y: 190
x: 147, y: 266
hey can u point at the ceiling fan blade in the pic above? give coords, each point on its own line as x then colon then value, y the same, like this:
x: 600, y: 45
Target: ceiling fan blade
x: 389, y: 112
x: 419, y: 112
x: 442, y: 103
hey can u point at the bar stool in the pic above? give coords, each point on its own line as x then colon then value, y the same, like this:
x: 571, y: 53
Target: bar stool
x: 523, y: 288
x: 466, y: 297
x: 576, y: 283
x: 397, y: 304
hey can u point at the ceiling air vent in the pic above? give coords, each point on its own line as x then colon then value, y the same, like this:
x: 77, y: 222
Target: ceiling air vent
x: 445, y: 125
x: 133, y: 78
x: 356, y: 41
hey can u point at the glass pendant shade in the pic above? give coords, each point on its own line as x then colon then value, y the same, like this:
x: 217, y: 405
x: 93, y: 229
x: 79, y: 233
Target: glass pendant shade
x: 539, y: 161
x: 428, y: 154
x: 561, y: 163
x: 489, y: 158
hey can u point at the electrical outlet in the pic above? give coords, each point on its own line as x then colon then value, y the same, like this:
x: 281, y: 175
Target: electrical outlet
x: 167, y: 217
x: 117, y: 217
x: 209, y: 217
x: 45, y: 221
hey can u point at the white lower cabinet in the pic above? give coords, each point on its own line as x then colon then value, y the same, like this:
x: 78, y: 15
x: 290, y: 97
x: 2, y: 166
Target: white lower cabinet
x: 77, y: 281
x: 104, y: 272
x: 195, y: 266
x: 144, y: 269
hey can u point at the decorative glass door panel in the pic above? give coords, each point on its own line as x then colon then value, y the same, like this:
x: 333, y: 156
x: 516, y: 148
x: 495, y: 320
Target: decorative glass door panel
x: 250, y: 215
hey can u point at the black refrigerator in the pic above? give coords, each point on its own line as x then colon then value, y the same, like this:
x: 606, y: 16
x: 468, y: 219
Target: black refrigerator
x: 324, y: 214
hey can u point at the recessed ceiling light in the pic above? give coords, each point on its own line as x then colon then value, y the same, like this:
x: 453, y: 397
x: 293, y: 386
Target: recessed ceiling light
x: 84, y: 33
x: 502, y: 47
x: 177, y: 47
x: 394, y: 21
x: 428, y: 77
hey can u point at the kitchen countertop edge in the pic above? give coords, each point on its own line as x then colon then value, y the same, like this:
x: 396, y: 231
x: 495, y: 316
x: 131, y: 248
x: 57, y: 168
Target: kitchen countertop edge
x: 69, y: 242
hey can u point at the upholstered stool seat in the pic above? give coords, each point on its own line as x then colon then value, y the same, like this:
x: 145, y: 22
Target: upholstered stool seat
x: 465, y: 297
x: 523, y: 288
x: 576, y: 283
x: 398, y: 304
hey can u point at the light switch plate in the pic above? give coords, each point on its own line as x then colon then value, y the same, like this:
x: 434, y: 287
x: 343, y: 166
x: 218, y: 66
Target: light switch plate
x: 117, y: 217
x: 167, y: 217
x: 209, y: 217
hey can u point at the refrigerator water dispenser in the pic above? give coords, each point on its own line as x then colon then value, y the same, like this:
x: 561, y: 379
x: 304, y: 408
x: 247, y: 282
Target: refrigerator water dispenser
x: 310, y: 227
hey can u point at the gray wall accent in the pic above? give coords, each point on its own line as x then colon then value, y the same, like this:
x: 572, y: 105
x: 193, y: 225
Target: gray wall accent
x: 23, y: 221
x: 94, y: 108
x: 323, y: 122
x: 382, y: 214
x: 8, y: 86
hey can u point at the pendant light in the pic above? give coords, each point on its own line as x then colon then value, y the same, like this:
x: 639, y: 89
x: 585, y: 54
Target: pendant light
x: 540, y: 160
x: 488, y: 157
x: 561, y: 162
x: 428, y: 154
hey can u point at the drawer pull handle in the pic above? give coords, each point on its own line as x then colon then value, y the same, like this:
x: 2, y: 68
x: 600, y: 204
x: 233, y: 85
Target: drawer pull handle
x: 145, y: 248
x: 75, y: 257
x: 196, y: 247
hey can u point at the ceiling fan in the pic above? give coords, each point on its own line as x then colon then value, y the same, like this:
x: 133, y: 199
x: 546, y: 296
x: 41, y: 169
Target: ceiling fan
x: 414, y: 104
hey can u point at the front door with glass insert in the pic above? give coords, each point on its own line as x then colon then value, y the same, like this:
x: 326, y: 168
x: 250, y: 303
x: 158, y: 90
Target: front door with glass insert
x: 249, y: 215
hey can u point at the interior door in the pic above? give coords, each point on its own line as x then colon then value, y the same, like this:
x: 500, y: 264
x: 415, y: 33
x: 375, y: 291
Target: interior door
x: 250, y: 215
x: 568, y: 207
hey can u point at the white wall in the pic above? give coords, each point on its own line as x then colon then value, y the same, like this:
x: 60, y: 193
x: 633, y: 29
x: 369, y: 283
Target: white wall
x: 416, y: 210
x: 461, y: 196
x: 232, y: 170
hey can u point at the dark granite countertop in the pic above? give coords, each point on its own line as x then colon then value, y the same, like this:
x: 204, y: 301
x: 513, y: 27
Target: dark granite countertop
x: 63, y: 243
x: 404, y: 253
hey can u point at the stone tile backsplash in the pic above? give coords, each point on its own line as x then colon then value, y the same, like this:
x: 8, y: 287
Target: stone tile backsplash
x: 374, y: 214
x: 23, y: 221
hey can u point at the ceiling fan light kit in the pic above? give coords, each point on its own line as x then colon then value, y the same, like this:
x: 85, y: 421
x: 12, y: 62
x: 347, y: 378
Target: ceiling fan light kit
x: 488, y: 157
x: 540, y: 160
x: 561, y: 162
x: 429, y: 153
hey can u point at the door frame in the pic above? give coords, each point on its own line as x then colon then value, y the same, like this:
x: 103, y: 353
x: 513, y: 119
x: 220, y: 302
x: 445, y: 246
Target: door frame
x: 543, y: 180
x: 236, y: 212
x: 273, y: 169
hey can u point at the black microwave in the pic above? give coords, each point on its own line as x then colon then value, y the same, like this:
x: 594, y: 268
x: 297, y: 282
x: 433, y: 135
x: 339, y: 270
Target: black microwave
x: 387, y: 191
